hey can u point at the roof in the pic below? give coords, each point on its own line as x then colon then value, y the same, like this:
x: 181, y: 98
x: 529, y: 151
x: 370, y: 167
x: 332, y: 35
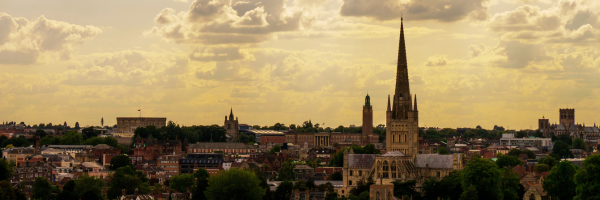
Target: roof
x: 435, y: 161
x: 302, y: 167
x: 220, y: 145
x: 540, y: 189
x: 393, y: 154
x: 361, y: 160
x: 560, y: 127
x: 102, y: 146
x: 91, y: 165
x: 573, y: 128
x: 265, y: 132
x: 592, y: 130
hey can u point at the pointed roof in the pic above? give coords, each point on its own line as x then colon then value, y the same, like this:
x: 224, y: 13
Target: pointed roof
x: 402, y: 85
x: 231, y: 114
x: 415, y: 108
x: 389, y: 107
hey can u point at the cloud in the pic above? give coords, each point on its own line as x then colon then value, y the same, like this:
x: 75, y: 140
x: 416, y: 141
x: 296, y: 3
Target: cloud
x: 23, y: 41
x: 440, y: 10
x: 573, y: 21
x: 216, y: 54
x: 228, y: 22
x: 437, y: 60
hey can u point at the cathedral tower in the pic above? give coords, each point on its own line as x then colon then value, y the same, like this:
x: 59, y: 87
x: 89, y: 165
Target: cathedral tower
x: 367, y: 123
x: 402, y: 117
x: 232, y: 127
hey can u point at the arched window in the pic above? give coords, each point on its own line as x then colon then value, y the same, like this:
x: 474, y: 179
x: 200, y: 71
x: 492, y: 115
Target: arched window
x: 532, y: 197
x: 349, y: 183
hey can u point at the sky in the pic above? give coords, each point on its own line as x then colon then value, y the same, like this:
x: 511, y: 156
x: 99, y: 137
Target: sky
x: 471, y: 62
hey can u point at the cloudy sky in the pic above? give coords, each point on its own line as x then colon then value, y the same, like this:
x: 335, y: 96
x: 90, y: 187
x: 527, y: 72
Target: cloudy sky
x: 471, y: 62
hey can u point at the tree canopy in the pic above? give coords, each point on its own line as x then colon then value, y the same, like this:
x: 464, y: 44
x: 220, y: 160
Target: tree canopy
x: 485, y: 176
x: 588, y: 186
x: 560, y: 183
x: 120, y: 161
x: 338, y: 158
x: 562, y: 149
x: 234, y: 184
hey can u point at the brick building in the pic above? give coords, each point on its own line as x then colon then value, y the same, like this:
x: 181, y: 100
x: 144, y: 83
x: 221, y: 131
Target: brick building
x: 149, y: 149
x: 212, y: 162
x: 31, y: 170
x: 170, y: 163
x: 227, y: 148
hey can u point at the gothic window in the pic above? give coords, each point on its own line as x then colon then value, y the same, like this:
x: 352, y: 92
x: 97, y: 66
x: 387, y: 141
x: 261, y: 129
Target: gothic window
x: 349, y: 182
x: 351, y: 174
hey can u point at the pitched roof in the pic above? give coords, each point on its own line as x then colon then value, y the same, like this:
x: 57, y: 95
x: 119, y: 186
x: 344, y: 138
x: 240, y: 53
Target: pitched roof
x: 220, y: 145
x: 540, y: 189
x: 361, y: 160
x: 393, y: 154
x: 434, y: 161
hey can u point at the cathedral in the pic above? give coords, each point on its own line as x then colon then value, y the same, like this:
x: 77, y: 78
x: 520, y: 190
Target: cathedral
x: 568, y: 126
x: 402, y: 160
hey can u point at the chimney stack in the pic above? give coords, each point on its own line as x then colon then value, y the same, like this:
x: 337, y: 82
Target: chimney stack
x: 137, y: 192
x: 123, y: 192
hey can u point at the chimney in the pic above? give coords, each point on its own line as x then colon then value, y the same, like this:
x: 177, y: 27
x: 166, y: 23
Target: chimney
x: 159, y: 195
x: 123, y: 192
x: 37, y: 144
x: 137, y: 192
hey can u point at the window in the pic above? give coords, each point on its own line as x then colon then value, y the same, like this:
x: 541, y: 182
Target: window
x: 351, y: 174
x: 349, y: 182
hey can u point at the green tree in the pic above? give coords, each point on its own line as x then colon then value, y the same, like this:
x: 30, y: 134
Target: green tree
x: 337, y: 176
x: 548, y: 160
x: 485, y: 176
x: 470, y: 193
x: 541, y: 167
x: 275, y: 149
x: 443, y: 151
x: 362, y: 186
x: 41, y: 189
x: 68, y: 192
x: 49, y: 140
x: 521, y: 134
x: 92, y: 195
x: 89, y: 132
x: 6, y: 170
x: 330, y: 196
x: 284, y: 190
x: 40, y: 133
x: 286, y: 171
x: 406, y: 188
x: 120, y: 161
x: 562, y: 149
x: 87, y: 183
x: 578, y: 143
x: 505, y: 161
x: 338, y: 158
x: 234, y: 184
x: 587, y: 179
x: 560, y: 183
x: 129, y: 180
x: 201, y: 176
x: 510, y: 184
x: 181, y: 182
x: 7, y: 192
x: 71, y: 138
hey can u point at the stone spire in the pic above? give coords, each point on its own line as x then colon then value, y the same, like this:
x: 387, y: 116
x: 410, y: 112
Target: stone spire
x: 231, y: 114
x: 415, y: 108
x: 402, y: 85
x: 389, y: 107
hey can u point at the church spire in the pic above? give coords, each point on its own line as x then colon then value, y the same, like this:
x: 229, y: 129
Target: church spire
x: 416, y: 102
x: 402, y: 68
x: 389, y: 107
x: 231, y: 114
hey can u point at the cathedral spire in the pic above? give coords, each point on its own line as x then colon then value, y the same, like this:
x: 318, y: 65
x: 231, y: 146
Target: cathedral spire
x: 402, y: 68
x: 231, y: 114
x: 416, y: 102
x: 389, y: 107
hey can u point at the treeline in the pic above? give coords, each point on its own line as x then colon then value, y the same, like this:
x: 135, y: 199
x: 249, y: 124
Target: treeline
x: 478, y: 132
x: 74, y: 138
x: 174, y: 131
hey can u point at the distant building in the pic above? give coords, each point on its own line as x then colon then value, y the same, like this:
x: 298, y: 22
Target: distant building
x: 232, y: 127
x: 129, y: 124
x: 568, y: 126
x: 226, y: 148
x: 170, y: 163
x: 29, y: 171
x: 212, y: 162
x: 266, y: 136
x: 149, y: 149
x: 508, y: 139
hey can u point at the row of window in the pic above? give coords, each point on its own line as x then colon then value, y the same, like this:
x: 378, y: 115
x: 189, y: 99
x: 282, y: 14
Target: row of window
x: 224, y: 150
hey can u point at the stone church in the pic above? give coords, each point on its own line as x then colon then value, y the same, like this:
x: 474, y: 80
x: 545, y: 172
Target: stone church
x: 402, y: 161
x: 568, y: 126
x: 232, y: 127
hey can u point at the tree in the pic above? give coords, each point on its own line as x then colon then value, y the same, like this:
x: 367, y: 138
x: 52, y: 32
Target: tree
x: 521, y: 134
x: 510, y: 184
x: 68, y: 192
x: 505, y: 161
x: 284, y: 190
x: 587, y: 179
x: 275, y: 149
x: 443, y: 151
x: 362, y: 186
x: 562, y: 149
x: 126, y: 179
x: 578, y: 143
x: 566, y: 138
x: 181, y: 182
x: 71, y: 138
x: 337, y: 176
x: 40, y: 133
x: 338, y: 158
x: 87, y: 183
x: 485, y: 176
x: 326, y: 187
x: 6, y: 170
x: 330, y: 196
x: 300, y: 185
x: 7, y: 192
x: 234, y: 184
x: 548, y: 160
x: 470, y: 193
x: 41, y: 189
x: 286, y: 171
x: 541, y: 167
x: 92, y: 195
x: 560, y: 183
x: 120, y: 161
x: 49, y: 140
x: 404, y: 188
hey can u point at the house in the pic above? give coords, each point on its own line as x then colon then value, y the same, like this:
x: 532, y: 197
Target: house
x: 303, y: 171
x: 31, y: 170
x: 536, y: 192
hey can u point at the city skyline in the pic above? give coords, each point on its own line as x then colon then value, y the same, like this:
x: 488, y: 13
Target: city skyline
x: 473, y: 63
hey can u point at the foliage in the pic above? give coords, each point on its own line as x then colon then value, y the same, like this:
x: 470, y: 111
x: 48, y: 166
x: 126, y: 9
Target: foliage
x: 405, y: 188
x: 510, y: 184
x: 249, y: 139
x: 50, y: 140
x: 92, y: 195
x: 541, y: 167
x: 40, y: 133
x: 563, y: 137
x: 174, y: 131
x: 300, y: 185
x: 71, y: 138
x: 41, y: 189
x: 284, y: 190
x: 120, y: 161
x: 326, y: 187
x: 443, y: 151
x: 578, y: 143
x: 329, y: 196
x: 337, y: 176
x: 362, y: 186
x: 447, y: 188
x: 485, y: 176
x: 7, y: 191
x: 126, y: 178
x: 517, y: 152
x: 6, y: 170
x: 20, y: 141
x: 181, y: 182
x: 560, y: 183
x: 201, y: 176
x: 507, y: 160
x: 275, y: 149
x: 548, y: 160
x: 110, y: 141
x: 286, y: 171
x: 470, y: 193
x: 521, y: 134
x: 87, y: 183
x: 89, y: 132
x: 587, y: 179
x: 68, y: 192
x: 338, y: 158
x: 234, y: 184
x: 561, y: 149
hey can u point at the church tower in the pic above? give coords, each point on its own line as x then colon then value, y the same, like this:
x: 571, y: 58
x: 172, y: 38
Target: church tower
x: 232, y: 127
x: 402, y: 117
x: 367, y: 123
